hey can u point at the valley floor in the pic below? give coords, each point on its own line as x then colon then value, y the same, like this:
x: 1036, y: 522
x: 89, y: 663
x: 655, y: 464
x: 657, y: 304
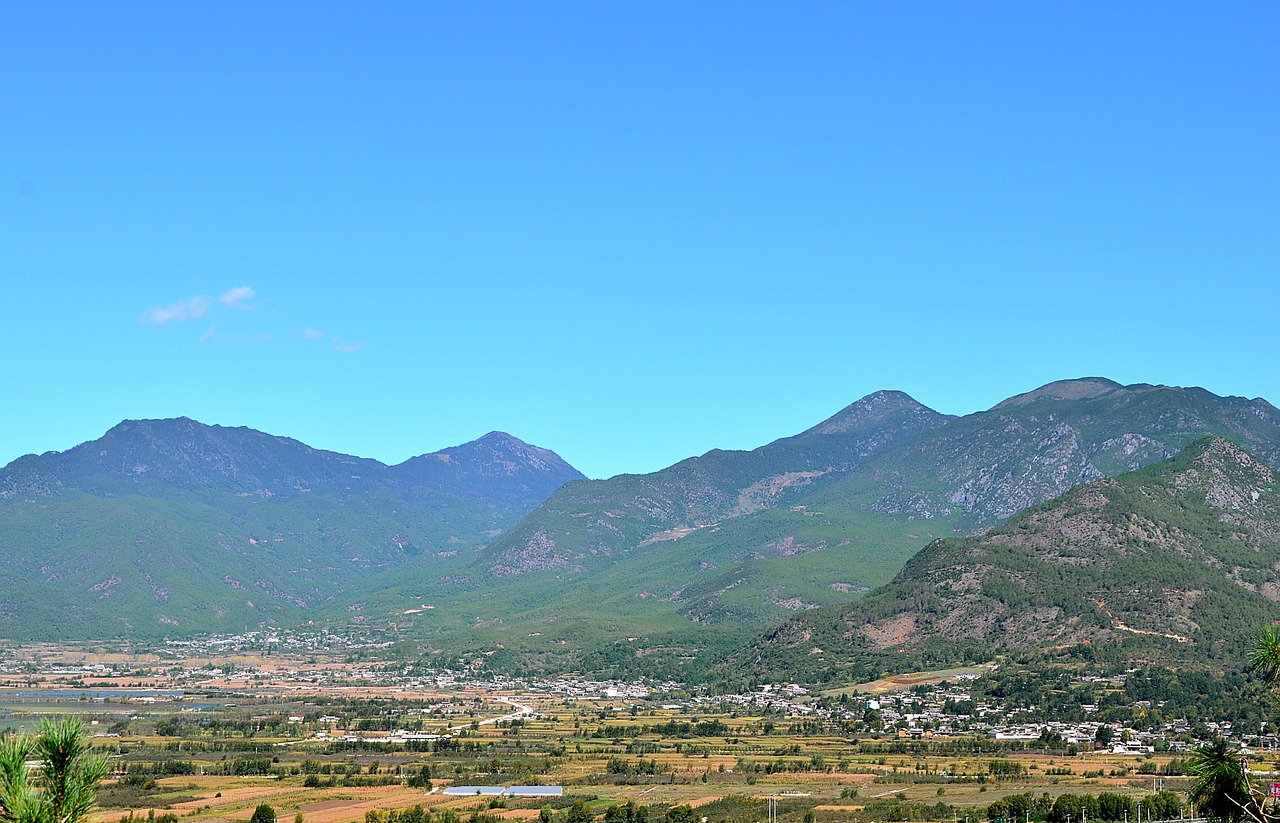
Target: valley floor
x: 345, y: 736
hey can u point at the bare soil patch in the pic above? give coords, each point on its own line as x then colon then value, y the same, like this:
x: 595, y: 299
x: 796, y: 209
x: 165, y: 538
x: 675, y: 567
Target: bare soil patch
x: 702, y: 801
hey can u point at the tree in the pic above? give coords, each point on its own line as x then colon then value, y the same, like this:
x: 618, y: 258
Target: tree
x: 1221, y: 786
x: 265, y: 813
x: 1163, y: 805
x: 421, y: 779
x: 1264, y: 654
x: 627, y: 812
x: 579, y: 812
x: 66, y: 788
x: 1112, y: 806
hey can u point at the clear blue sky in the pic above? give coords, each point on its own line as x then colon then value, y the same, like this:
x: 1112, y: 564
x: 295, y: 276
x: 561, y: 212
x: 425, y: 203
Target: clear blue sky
x: 629, y: 232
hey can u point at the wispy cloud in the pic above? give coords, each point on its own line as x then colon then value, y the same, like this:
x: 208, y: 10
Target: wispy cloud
x: 339, y: 345
x: 238, y: 298
x: 190, y: 309
x: 312, y: 334
x: 193, y: 308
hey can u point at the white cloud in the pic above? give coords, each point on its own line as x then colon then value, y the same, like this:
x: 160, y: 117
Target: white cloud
x: 210, y: 335
x: 238, y: 298
x: 346, y: 348
x: 191, y: 309
x: 313, y: 334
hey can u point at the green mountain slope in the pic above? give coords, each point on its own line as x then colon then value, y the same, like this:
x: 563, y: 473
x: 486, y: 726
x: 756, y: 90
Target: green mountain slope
x: 956, y: 479
x: 1174, y: 562
x: 172, y: 527
x: 585, y: 524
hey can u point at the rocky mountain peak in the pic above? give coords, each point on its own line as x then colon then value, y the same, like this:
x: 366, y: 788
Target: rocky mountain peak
x: 497, y: 463
x: 503, y: 453
x: 872, y: 411
x: 500, y: 438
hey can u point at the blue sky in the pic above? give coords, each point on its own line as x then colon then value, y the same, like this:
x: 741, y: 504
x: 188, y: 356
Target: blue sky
x: 627, y: 232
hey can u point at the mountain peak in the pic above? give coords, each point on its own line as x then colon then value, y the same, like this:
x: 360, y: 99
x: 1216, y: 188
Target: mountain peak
x: 871, y: 411
x: 496, y: 437
x: 503, y: 448
x: 497, y: 465
x: 154, y: 424
x: 1080, y: 388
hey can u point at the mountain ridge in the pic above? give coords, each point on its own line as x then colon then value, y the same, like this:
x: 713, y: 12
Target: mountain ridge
x: 187, y: 454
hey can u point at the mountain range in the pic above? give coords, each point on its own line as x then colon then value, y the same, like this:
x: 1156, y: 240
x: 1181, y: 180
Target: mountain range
x: 500, y: 552
x: 172, y: 527
x: 680, y: 563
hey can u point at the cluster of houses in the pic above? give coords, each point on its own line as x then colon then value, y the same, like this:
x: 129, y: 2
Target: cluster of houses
x: 777, y: 698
